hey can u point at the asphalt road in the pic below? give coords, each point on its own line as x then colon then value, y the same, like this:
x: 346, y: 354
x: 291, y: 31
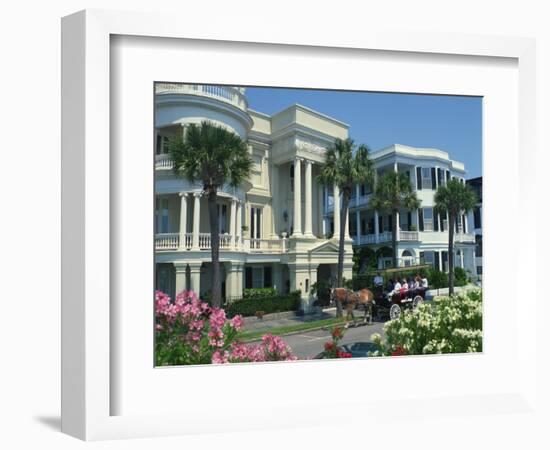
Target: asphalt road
x: 310, y: 343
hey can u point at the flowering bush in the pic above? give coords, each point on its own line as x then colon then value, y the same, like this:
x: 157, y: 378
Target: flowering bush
x: 332, y: 349
x: 451, y: 325
x: 189, y: 331
x: 272, y: 348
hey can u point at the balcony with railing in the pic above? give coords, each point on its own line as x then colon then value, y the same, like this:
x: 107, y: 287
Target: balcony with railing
x: 171, y: 242
x: 227, y: 94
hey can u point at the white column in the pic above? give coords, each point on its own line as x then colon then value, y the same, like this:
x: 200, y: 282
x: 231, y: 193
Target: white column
x: 297, y: 198
x: 195, y: 278
x: 181, y: 270
x: 376, y: 228
x: 395, y: 169
x: 358, y: 224
x: 336, y: 211
x: 239, y: 232
x: 233, y: 223
x: 308, y: 231
x: 320, y: 212
x: 183, y: 219
x: 196, y: 220
x: 415, y: 178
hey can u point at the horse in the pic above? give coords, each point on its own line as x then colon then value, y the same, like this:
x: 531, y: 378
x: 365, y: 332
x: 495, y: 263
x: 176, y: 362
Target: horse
x: 350, y: 300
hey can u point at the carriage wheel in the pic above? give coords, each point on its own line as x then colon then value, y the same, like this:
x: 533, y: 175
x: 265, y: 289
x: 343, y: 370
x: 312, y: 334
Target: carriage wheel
x: 417, y: 301
x: 395, y: 312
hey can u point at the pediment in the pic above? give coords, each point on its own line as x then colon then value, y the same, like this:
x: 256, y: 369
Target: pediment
x: 325, y: 247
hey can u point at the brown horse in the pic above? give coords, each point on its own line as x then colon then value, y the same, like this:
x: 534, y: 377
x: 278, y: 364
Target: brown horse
x: 350, y: 300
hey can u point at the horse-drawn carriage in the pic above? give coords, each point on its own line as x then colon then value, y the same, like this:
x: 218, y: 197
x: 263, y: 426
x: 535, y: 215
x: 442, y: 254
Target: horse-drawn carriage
x: 392, y: 303
x: 377, y: 302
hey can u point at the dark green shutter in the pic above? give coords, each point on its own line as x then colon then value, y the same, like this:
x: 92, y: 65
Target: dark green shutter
x: 419, y: 178
x: 436, y: 260
x: 436, y: 221
x: 433, y: 179
x: 420, y: 219
x: 409, y: 220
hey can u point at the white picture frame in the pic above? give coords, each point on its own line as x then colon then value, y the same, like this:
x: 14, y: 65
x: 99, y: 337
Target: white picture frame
x: 87, y: 325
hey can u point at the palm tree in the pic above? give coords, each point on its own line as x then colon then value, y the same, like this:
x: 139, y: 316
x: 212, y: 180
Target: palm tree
x: 345, y: 166
x: 214, y: 156
x: 394, y: 191
x: 455, y: 198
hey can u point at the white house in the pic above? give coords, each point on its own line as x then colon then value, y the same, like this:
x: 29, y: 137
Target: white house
x: 422, y: 235
x: 271, y: 227
x: 276, y: 228
x: 475, y: 218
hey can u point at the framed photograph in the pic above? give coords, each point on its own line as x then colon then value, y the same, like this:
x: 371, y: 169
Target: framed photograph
x: 249, y: 221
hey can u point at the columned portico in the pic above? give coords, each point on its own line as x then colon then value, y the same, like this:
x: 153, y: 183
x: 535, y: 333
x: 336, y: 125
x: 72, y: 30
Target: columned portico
x: 297, y: 197
x: 308, y: 210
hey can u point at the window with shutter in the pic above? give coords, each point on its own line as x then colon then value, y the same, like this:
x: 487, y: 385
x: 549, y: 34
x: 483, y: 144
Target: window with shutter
x: 426, y: 178
x: 419, y: 178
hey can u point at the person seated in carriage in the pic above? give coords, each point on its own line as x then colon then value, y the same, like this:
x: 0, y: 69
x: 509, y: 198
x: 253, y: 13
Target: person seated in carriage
x: 396, y: 288
x: 404, y: 286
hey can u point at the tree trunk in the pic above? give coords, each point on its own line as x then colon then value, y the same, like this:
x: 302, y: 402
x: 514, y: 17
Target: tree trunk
x: 394, y: 237
x: 450, y: 253
x: 215, y: 248
x: 341, y: 244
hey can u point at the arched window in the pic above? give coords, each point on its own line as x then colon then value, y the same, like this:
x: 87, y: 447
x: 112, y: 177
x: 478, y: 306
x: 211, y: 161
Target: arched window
x: 406, y: 253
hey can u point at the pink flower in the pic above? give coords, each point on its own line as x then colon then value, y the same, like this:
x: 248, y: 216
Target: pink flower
x: 219, y: 357
x: 237, y: 322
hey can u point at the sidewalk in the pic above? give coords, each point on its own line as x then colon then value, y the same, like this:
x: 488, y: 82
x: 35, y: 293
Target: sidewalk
x: 285, y: 319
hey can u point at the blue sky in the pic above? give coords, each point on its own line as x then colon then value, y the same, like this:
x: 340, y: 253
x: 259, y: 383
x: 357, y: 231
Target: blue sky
x: 449, y: 123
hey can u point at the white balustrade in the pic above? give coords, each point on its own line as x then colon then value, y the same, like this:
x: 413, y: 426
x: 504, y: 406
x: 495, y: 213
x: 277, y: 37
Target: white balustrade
x: 226, y: 94
x: 408, y: 235
x: 265, y: 245
x: 163, y: 161
x: 167, y: 241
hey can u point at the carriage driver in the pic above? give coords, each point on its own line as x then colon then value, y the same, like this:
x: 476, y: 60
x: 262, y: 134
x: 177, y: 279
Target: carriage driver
x: 378, y: 280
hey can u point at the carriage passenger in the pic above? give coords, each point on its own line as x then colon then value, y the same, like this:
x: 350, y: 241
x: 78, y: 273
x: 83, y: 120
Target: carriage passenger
x: 424, y: 282
x: 404, y: 286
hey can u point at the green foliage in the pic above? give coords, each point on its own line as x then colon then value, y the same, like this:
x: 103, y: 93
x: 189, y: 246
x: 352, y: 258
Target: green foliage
x: 461, y: 277
x: 346, y: 165
x: 364, y: 258
x: 321, y: 289
x: 454, y: 197
x: 259, y: 292
x: 437, y: 279
x: 451, y: 325
x: 248, y: 307
x: 210, y: 154
x: 393, y: 192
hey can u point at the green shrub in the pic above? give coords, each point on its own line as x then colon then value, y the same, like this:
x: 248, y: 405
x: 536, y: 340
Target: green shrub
x: 248, y: 307
x: 437, y: 279
x: 461, y: 277
x: 260, y: 292
x: 321, y: 289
